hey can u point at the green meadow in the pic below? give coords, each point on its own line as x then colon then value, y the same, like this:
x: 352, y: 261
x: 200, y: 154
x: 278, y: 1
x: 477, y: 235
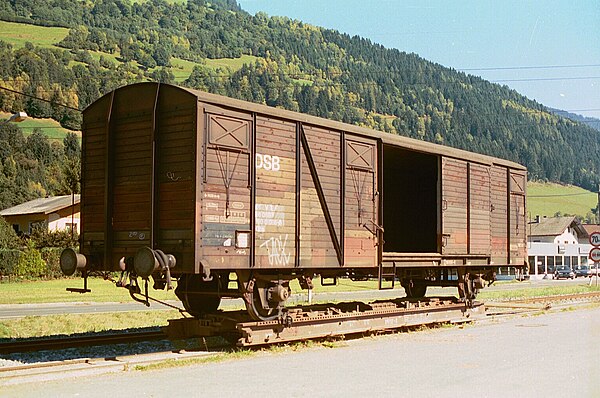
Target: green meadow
x: 18, y: 34
x: 546, y: 199
x: 51, y: 128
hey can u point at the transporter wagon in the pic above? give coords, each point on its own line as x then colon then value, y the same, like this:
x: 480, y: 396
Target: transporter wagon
x: 236, y: 199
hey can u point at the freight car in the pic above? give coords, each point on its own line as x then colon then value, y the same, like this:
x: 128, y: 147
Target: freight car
x: 236, y: 199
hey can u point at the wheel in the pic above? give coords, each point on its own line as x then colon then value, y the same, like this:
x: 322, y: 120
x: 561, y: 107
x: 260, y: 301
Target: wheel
x: 266, y: 300
x: 198, y: 297
x: 415, y: 289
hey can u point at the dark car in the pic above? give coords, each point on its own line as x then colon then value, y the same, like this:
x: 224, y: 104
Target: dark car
x: 564, y: 271
x: 582, y: 270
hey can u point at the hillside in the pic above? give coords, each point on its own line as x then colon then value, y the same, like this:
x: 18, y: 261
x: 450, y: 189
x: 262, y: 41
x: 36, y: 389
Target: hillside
x: 215, y: 46
x: 547, y: 199
x: 590, y: 121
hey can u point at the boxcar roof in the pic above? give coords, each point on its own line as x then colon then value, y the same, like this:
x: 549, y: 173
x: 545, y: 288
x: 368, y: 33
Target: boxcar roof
x: 386, y: 138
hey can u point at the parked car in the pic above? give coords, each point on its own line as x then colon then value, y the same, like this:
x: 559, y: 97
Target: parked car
x: 582, y: 270
x: 564, y: 271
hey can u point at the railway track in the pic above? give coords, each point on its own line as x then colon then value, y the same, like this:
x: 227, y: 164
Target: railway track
x: 314, y: 315
x: 543, y: 302
x: 587, y: 296
x: 55, y: 343
x: 321, y: 322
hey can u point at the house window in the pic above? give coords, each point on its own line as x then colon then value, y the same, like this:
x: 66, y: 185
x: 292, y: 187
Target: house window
x: 35, y: 224
x: 531, y: 261
x: 541, y: 265
x: 583, y: 260
x: 16, y: 227
x: 559, y: 260
x: 574, y: 261
x: 550, y: 261
x: 568, y: 261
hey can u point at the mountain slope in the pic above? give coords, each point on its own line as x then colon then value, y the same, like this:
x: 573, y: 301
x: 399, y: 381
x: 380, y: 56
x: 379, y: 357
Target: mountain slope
x: 298, y: 66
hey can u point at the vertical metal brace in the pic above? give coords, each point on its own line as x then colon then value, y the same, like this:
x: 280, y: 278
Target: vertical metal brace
x: 298, y: 195
x: 509, y: 210
x: 342, y: 195
x: 108, y: 183
x: 252, y: 164
x: 468, y: 208
x: 154, y: 185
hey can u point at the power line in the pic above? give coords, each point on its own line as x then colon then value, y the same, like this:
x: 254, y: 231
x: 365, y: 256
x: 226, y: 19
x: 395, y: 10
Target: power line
x: 530, y: 67
x: 540, y: 79
x: 39, y: 99
x: 561, y: 195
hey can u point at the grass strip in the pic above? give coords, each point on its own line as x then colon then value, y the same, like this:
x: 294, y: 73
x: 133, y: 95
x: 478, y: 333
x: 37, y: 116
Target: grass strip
x: 69, y: 324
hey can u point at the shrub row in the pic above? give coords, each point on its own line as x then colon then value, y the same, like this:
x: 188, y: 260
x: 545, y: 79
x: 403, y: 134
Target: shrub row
x: 31, y: 262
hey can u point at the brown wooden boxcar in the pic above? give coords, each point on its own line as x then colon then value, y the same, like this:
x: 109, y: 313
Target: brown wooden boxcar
x: 236, y: 199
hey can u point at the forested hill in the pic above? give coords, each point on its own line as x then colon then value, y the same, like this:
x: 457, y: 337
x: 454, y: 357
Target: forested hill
x: 590, y: 121
x: 283, y: 63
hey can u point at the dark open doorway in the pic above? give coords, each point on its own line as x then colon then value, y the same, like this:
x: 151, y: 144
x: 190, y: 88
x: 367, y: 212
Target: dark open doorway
x: 410, y: 201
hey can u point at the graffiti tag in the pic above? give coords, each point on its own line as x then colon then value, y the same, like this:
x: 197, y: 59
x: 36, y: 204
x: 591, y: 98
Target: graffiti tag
x: 277, y: 251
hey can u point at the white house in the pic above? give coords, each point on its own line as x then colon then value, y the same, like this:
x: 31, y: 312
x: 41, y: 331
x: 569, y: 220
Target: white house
x: 58, y: 212
x: 556, y: 241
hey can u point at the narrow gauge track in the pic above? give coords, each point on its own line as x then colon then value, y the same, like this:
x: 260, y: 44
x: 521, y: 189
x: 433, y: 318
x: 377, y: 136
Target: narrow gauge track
x: 56, y: 343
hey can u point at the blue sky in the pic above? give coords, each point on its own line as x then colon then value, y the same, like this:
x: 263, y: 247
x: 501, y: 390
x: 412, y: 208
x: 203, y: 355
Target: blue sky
x: 546, y: 50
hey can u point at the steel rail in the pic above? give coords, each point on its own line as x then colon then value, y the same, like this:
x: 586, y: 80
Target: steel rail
x: 554, y: 298
x: 56, y: 343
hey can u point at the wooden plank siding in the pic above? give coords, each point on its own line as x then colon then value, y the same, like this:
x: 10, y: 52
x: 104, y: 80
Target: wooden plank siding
x: 275, y: 204
x: 454, y: 206
x: 479, y: 209
x: 361, y: 207
x: 518, y: 220
x: 145, y: 200
x: 317, y: 248
x: 225, y: 204
x: 93, y: 177
x: 499, y: 216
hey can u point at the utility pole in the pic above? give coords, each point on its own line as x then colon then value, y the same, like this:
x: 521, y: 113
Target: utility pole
x: 598, y: 207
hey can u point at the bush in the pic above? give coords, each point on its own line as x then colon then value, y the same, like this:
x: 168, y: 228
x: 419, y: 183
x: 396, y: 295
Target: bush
x: 30, y: 264
x: 44, y: 238
x: 51, y: 256
x: 8, y: 236
x: 9, y: 260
